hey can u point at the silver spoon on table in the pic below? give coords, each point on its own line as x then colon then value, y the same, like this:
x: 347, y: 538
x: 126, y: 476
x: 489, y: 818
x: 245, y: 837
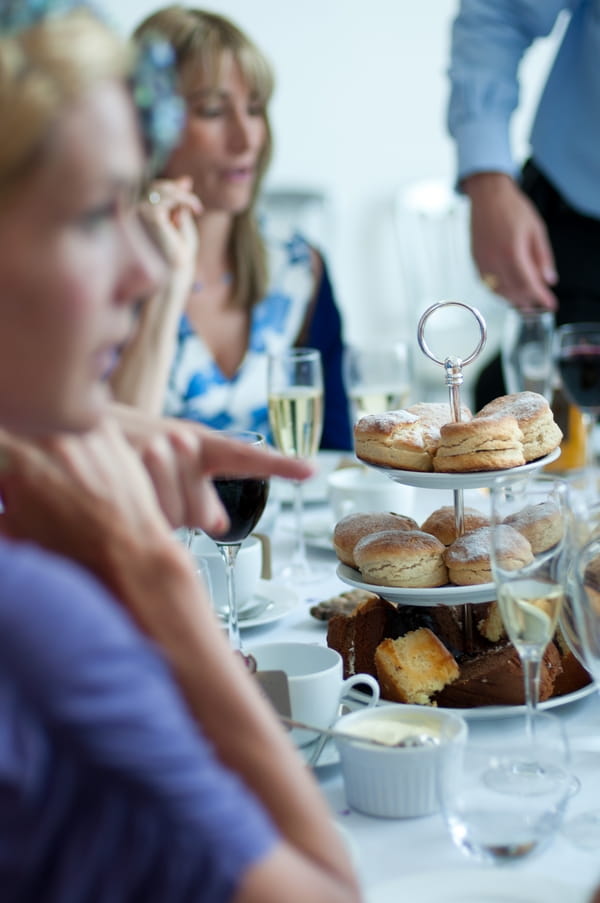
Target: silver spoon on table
x: 410, y: 741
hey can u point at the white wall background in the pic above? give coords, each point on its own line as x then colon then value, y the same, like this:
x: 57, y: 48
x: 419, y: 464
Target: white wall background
x: 359, y: 111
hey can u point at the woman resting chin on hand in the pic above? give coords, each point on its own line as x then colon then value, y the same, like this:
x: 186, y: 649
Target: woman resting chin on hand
x: 122, y: 709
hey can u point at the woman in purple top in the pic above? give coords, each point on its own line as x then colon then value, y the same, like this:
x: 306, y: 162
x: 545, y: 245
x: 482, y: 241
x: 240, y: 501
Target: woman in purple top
x: 138, y: 761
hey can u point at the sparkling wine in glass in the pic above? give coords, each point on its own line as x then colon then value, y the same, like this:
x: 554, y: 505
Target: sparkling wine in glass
x: 295, y: 391
x: 577, y: 354
x: 530, y: 578
x: 244, y: 499
x: 377, y: 378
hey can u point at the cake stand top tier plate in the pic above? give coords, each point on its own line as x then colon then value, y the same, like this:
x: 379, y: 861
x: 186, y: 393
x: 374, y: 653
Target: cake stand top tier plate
x: 483, y: 479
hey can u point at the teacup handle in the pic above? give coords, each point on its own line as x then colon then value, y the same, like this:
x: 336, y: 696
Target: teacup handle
x: 363, y: 679
x: 265, y: 550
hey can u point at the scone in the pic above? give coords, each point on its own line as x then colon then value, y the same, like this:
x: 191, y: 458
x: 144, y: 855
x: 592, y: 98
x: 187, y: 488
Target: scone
x: 404, y: 439
x: 408, y: 558
x: 350, y: 529
x: 441, y: 523
x: 414, y: 667
x: 541, y: 434
x: 468, y: 558
x: 541, y: 524
x: 481, y: 444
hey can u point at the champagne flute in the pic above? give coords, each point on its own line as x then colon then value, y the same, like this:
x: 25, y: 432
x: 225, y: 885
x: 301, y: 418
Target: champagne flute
x: 295, y: 390
x: 244, y: 499
x: 377, y: 377
x: 577, y: 354
x: 530, y: 586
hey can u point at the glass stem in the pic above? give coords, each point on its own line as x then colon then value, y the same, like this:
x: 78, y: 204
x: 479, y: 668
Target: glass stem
x: 229, y: 553
x: 531, y: 675
x: 589, y: 420
x: 299, y: 556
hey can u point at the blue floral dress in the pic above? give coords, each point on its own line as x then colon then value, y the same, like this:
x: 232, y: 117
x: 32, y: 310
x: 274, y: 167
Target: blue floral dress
x: 198, y: 390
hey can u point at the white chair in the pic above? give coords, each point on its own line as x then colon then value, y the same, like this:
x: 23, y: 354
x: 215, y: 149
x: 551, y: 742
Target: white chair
x: 432, y: 226
x: 305, y: 208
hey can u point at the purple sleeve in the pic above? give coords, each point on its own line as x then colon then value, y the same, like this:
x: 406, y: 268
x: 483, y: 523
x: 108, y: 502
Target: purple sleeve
x: 108, y: 702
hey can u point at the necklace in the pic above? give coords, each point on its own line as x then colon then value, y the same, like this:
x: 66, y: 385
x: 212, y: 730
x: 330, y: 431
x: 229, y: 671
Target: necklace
x: 199, y: 286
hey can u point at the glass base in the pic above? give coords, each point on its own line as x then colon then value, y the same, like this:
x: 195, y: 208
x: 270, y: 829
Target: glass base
x: 304, y: 574
x: 584, y: 830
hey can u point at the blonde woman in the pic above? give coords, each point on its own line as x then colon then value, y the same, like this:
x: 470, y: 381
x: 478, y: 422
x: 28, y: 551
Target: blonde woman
x: 243, y: 290
x: 125, y: 773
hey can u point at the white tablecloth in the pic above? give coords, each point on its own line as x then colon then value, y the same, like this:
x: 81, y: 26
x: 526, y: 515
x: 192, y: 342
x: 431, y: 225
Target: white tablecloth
x: 387, y: 849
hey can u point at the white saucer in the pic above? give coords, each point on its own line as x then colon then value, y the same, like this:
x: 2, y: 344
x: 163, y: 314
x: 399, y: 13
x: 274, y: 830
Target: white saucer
x: 475, y: 885
x: 482, y: 478
x: 328, y: 756
x: 284, y: 601
x: 435, y: 595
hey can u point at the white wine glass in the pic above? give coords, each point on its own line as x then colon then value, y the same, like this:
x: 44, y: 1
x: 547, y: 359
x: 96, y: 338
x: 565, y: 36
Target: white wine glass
x: 530, y: 578
x: 526, y: 351
x: 377, y: 377
x: 580, y: 624
x: 295, y: 392
x: 244, y: 499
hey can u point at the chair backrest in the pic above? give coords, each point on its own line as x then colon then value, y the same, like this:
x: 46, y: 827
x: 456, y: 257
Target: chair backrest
x: 307, y: 209
x: 432, y: 227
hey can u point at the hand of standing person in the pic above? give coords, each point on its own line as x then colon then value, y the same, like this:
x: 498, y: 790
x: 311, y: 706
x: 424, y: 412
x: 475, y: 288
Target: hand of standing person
x: 509, y: 242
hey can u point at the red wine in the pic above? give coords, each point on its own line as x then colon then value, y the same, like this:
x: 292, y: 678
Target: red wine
x: 580, y: 371
x: 244, y: 499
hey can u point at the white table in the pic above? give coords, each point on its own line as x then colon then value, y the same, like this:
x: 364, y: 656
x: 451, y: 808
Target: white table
x: 386, y: 849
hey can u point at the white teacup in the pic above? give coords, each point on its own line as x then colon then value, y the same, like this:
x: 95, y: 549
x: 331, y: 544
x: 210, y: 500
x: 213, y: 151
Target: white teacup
x: 315, y: 682
x: 252, y: 563
x: 353, y: 489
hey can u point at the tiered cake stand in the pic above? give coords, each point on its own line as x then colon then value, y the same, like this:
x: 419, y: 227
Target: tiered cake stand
x: 457, y: 482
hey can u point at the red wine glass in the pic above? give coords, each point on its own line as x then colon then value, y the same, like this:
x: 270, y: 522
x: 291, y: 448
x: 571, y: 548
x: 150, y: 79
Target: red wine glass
x: 577, y: 355
x: 244, y: 499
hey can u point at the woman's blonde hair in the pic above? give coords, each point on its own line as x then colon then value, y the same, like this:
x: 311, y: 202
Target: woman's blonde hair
x: 200, y: 40
x: 43, y: 69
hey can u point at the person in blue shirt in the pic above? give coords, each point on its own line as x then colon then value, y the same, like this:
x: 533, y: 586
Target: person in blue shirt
x: 138, y: 759
x: 246, y: 288
x: 535, y: 232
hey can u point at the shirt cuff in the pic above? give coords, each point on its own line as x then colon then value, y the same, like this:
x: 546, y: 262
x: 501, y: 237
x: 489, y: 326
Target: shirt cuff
x: 483, y: 145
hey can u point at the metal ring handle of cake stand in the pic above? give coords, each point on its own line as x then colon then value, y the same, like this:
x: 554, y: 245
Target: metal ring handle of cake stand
x: 453, y: 367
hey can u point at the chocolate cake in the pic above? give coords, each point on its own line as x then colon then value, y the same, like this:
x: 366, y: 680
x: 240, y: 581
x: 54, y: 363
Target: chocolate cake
x: 490, y: 671
x: 357, y: 636
x: 495, y: 677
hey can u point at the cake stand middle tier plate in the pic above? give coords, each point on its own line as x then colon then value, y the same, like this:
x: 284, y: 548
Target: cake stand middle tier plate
x: 435, y: 595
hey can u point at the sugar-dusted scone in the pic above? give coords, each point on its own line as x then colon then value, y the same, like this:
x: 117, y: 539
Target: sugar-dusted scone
x: 441, y: 523
x: 408, y: 558
x: 404, y: 439
x: 468, y: 558
x: 350, y: 529
x: 541, y: 434
x: 541, y: 524
x: 480, y: 444
x: 414, y: 667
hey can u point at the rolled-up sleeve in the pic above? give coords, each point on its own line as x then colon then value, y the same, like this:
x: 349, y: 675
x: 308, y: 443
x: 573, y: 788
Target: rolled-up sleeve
x: 489, y: 38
